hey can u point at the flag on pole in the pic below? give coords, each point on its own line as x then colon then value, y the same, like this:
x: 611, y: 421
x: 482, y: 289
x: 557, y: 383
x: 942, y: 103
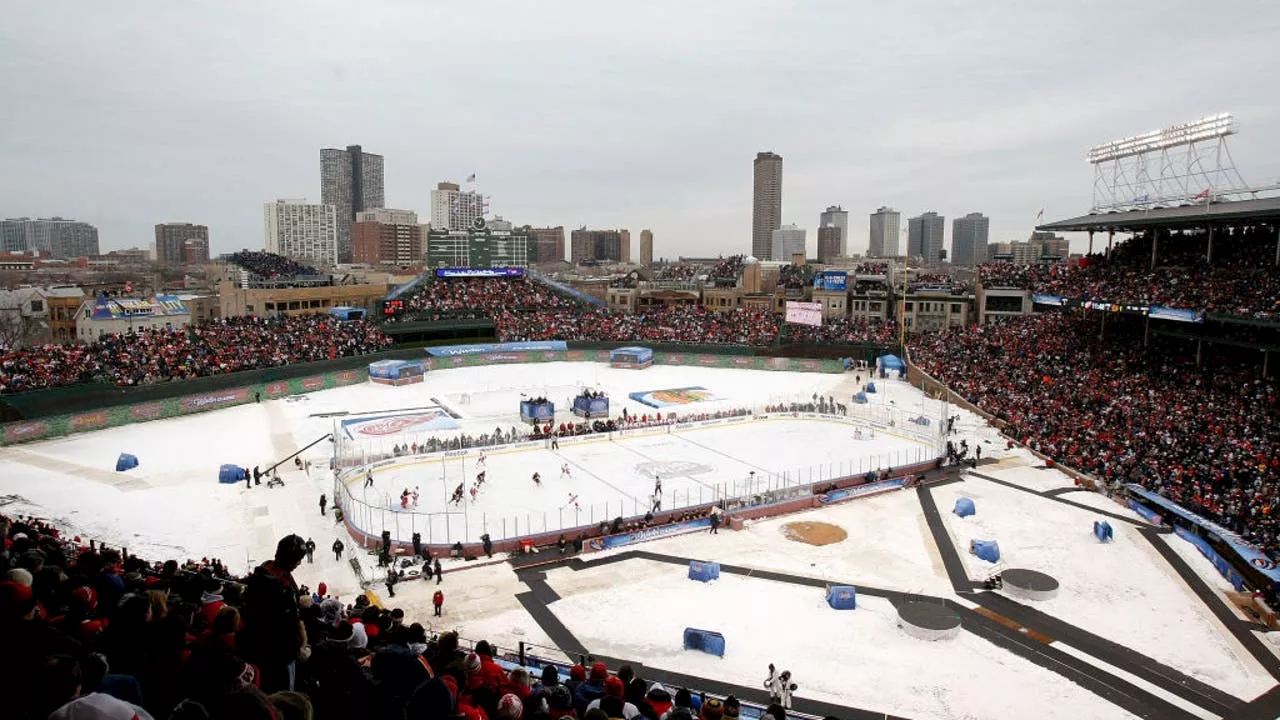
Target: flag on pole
x: 1040, y: 214
x: 1202, y: 194
x: 471, y: 177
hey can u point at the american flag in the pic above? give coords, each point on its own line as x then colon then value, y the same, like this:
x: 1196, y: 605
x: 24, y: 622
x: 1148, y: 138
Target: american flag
x: 471, y: 177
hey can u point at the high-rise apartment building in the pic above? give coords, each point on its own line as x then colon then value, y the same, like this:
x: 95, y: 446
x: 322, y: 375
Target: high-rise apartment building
x: 350, y: 181
x: 839, y: 217
x: 646, y: 247
x: 1053, y: 247
x: 886, y: 226
x: 969, y: 239
x: 546, y: 244
x: 786, y: 241
x: 452, y: 208
x: 55, y: 237
x: 383, y: 236
x: 195, y: 252
x: 600, y: 245
x: 924, y: 236
x: 296, y: 229
x: 171, y: 239
x: 830, y: 243
x: 766, y: 204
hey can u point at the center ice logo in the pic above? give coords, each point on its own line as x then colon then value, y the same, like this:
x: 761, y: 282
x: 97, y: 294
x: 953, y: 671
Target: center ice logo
x: 398, y: 424
x: 683, y: 396
x: 673, y: 468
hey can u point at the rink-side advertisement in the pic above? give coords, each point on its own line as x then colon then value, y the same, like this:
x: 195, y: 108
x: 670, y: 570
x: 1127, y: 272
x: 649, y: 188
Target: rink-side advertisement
x: 674, y: 396
x: 384, y: 425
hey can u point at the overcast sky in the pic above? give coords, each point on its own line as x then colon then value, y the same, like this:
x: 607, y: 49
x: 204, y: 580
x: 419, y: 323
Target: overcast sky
x: 612, y: 114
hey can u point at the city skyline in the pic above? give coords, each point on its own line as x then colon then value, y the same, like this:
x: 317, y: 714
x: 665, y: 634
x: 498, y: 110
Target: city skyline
x: 196, y: 137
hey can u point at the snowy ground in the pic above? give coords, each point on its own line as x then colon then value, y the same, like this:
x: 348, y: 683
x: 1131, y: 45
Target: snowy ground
x: 172, y: 506
x: 863, y: 658
x: 1122, y: 590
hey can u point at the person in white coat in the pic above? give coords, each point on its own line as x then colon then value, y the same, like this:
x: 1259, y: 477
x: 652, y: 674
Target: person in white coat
x: 772, y: 684
x: 785, y: 688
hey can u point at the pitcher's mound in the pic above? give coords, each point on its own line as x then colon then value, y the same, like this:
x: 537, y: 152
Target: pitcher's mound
x: 814, y: 533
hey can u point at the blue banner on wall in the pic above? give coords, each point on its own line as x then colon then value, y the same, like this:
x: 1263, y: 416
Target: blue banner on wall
x: 1165, y: 313
x: 1218, y: 561
x: 831, y: 280
x: 870, y: 488
x: 486, y: 348
x: 479, y: 272
x: 653, y: 533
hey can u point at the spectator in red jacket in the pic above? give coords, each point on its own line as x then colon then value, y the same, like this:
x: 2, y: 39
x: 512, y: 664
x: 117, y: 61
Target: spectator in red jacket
x: 437, y: 601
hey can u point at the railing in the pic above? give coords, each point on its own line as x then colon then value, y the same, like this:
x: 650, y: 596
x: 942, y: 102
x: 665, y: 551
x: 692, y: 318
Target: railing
x: 371, y: 512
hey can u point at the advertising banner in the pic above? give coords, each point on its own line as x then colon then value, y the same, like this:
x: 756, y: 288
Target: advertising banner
x: 857, y: 491
x: 489, y: 348
x: 673, y: 396
x: 385, y: 425
x: 479, y: 272
x: 1049, y: 300
x: 1218, y: 561
x: 653, y: 533
x: 1165, y: 313
x: 831, y: 280
x: 804, y: 313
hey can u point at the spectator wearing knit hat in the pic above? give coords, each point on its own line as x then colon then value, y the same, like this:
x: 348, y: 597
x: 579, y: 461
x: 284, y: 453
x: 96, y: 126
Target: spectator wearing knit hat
x: 591, y: 689
x: 613, y: 688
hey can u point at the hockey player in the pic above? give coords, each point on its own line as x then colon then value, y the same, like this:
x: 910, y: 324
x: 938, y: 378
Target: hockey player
x: 457, y: 495
x: 481, y: 459
x: 404, y: 499
x: 480, y: 478
x: 564, y: 472
x: 475, y: 491
x: 368, y: 478
x: 771, y: 684
x: 537, y: 479
x: 657, y: 485
x: 414, y: 496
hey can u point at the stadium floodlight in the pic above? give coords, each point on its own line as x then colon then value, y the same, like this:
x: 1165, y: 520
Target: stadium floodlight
x: 1207, y: 128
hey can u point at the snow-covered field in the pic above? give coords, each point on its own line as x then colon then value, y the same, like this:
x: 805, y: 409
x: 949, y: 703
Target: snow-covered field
x: 1121, y: 590
x: 172, y: 506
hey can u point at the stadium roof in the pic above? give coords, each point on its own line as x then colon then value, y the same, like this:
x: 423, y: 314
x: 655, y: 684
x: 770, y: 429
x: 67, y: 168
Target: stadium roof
x: 1263, y: 210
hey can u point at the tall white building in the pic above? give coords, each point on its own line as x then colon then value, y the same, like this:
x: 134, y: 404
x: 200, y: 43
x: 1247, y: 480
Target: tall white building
x: 839, y: 217
x: 455, y: 209
x: 886, y: 225
x: 969, y: 239
x: 296, y: 229
x: 787, y: 240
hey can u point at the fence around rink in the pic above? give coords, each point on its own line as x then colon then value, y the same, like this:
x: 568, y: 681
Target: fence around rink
x: 369, y: 513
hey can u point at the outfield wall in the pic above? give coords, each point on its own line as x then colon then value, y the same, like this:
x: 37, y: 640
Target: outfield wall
x: 201, y: 399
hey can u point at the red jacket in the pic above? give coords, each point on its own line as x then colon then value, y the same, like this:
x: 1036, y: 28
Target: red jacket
x: 491, y: 674
x: 438, y: 598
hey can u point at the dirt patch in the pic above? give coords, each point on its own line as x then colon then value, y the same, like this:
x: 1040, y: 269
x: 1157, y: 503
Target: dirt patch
x: 814, y: 533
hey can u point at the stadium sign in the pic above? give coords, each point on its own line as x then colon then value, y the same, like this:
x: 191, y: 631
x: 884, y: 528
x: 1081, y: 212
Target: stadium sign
x: 499, y: 272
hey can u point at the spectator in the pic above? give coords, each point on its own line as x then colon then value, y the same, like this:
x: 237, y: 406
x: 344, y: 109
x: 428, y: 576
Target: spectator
x: 272, y: 631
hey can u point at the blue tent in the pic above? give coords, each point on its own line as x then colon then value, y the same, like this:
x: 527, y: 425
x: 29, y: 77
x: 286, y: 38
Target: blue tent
x: 1102, y: 530
x: 890, y: 362
x: 231, y: 473
x: 871, y: 387
x: 842, y: 597
x: 126, y: 462
x: 705, y: 640
x: 964, y: 507
x: 988, y: 550
x: 860, y: 398
x: 703, y: 572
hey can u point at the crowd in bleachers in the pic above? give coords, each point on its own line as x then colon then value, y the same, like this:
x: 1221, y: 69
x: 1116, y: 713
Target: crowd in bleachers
x: 94, y: 633
x: 679, y: 271
x: 1209, y: 438
x: 270, y: 265
x: 688, y: 323
x: 1241, y: 281
x: 485, y: 293
x: 847, y: 330
x: 157, y: 355
x: 730, y: 267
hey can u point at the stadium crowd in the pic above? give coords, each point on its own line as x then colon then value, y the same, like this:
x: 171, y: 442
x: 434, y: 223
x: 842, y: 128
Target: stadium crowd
x: 94, y: 633
x: 485, y: 293
x: 1124, y: 413
x: 1241, y: 281
x: 270, y: 265
x: 688, y: 323
x: 157, y: 355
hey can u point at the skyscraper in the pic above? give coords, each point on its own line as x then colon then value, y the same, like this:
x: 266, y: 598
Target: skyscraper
x: 839, y: 217
x: 924, y: 236
x: 646, y: 247
x: 295, y: 229
x: 829, y: 242
x: 885, y: 228
x: 766, y: 204
x: 55, y: 237
x: 350, y: 181
x: 969, y: 239
x: 787, y: 241
x: 455, y: 209
x: 547, y: 244
x: 171, y: 241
